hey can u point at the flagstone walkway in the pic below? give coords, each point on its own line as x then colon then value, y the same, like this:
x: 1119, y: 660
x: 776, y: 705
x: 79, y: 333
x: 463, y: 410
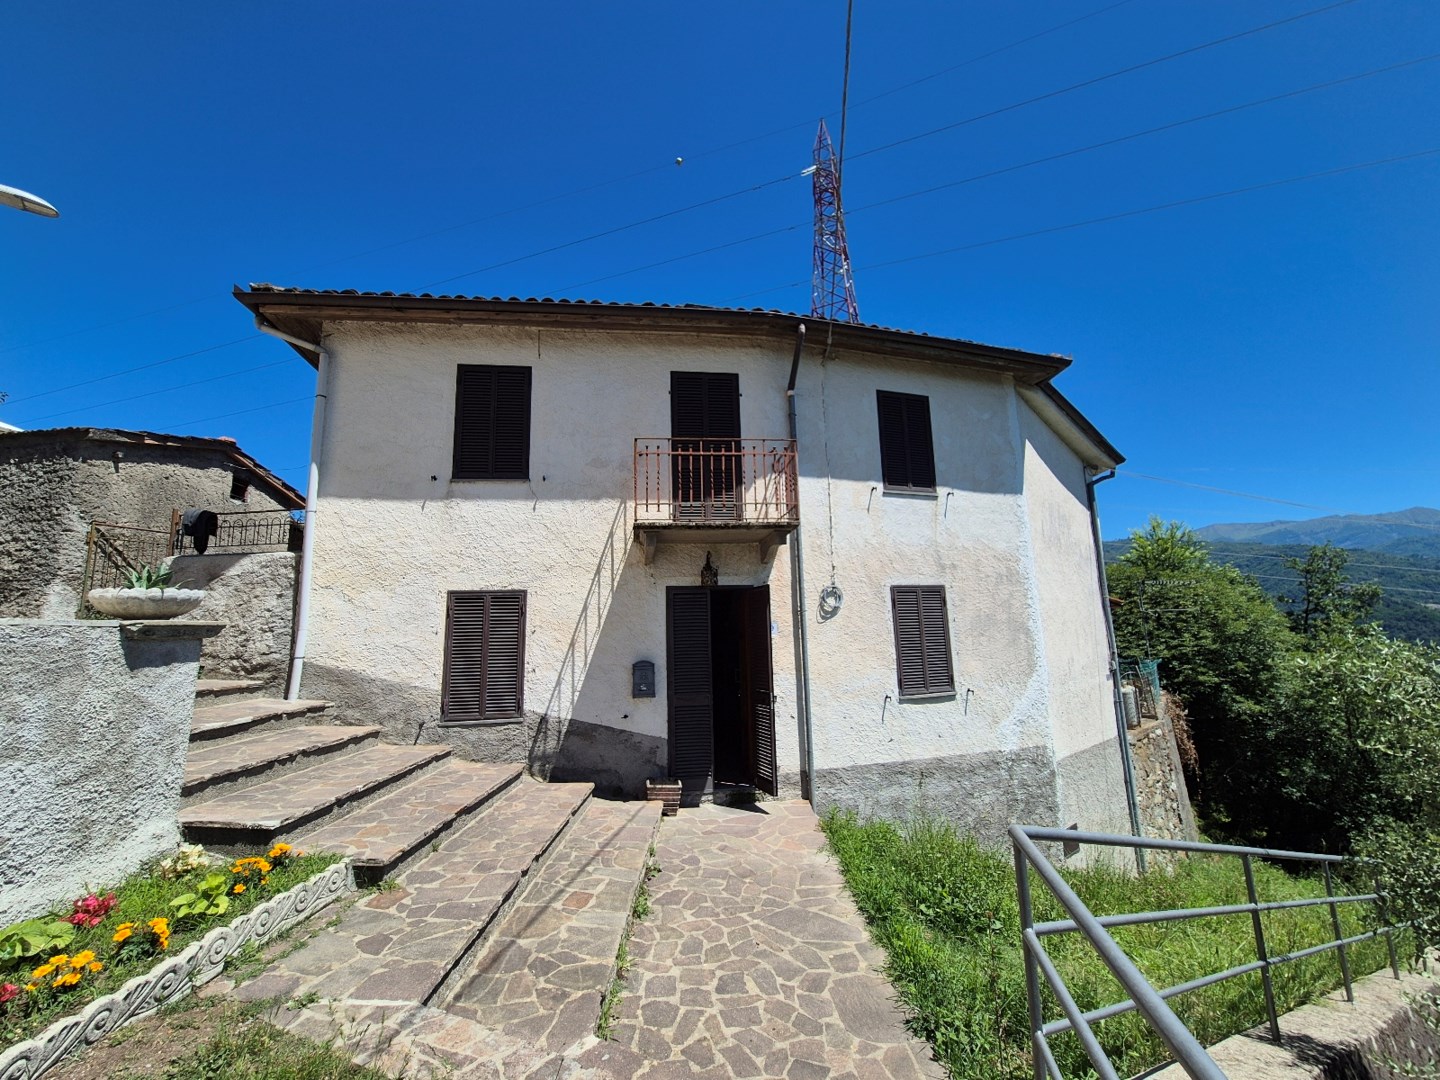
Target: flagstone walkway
x: 754, y: 962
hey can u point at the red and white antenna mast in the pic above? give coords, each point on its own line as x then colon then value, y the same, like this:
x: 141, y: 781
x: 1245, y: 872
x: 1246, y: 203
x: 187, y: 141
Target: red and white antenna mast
x: 832, y: 287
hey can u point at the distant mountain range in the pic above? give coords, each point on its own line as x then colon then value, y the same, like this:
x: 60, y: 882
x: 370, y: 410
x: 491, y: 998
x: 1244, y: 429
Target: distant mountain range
x: 1405, y: 532
x: 1400, y: 552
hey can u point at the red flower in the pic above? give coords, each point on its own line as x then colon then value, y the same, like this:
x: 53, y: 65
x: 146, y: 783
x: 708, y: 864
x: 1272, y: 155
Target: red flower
x: 8, y: 992
x: 89, y: 910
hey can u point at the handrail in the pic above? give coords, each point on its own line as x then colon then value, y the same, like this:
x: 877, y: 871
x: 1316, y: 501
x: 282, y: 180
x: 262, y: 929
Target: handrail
x: 1144, y: 997
x: 715, y: 481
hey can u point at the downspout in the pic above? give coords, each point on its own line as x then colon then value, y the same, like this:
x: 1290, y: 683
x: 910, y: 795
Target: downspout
x: 312, y: 499
x: 1127, y: 763
x: 797, y: 595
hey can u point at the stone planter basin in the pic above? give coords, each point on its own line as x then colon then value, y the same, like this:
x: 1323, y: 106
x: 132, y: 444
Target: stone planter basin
x: 144, y: 603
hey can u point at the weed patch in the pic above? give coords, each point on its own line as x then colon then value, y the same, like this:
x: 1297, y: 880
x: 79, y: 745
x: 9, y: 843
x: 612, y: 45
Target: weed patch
x: 945, y: 911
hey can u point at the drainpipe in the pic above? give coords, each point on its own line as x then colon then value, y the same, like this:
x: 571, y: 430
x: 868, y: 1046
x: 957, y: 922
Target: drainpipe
x: 312, y: 499
x: 797, y: 594
x: 1127, y: 763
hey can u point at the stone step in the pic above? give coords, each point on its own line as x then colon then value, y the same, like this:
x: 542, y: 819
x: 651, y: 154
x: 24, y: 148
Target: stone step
x: 404, y: 943
x: 217, y: 767
x: 208, y: 691
x: 226, y: 718
x: 399, y: 825
x: 543, y: 973
x: 279, y: 808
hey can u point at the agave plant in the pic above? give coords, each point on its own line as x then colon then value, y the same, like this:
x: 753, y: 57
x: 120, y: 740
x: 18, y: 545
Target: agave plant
x: 148, y: 577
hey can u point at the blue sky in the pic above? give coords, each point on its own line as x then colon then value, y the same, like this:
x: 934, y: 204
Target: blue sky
x: 1279, y: 342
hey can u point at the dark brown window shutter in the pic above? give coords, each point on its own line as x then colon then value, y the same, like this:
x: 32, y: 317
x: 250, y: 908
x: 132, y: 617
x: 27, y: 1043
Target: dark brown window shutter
x: 907, y: 450
x: 922, y: 640
x: 704, y: 405
x: 492, y: 423
x: 484, y: 656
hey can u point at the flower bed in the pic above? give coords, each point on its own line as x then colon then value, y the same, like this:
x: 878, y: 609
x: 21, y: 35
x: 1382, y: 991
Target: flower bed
x: 91, y: 990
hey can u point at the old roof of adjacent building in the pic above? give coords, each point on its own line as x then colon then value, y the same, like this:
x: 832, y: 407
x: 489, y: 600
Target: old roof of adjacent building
x: 302, y: 312
x: 257, y: 473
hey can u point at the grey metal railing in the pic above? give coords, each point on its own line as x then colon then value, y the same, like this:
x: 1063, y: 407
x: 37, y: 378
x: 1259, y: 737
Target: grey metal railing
x: 1145, y: 998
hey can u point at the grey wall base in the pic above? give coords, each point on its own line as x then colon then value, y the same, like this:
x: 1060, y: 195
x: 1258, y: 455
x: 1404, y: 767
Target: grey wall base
x: 96, y: 722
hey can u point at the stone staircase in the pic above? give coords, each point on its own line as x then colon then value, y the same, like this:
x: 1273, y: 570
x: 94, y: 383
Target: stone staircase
x: 504, y: 900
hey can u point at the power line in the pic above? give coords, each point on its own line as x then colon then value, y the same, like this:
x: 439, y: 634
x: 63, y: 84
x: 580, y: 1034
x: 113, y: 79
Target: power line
x: 1152, y: 131
x: 1105, y: 218
x: 1106, y: 77
x: 162, y: 390
x: 1267, y: 498
x: 581, y: 190
x: 239, y: 412
x: 1358, y: 565
x: 1384, y: 588
x: 1029, y: 164
x: 131, y: 371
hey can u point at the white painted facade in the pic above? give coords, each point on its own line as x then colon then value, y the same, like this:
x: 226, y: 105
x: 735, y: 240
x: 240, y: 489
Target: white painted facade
x: 1030, y: 732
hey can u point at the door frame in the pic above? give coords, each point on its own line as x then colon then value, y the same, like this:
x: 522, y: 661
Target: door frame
x: 670, y: 590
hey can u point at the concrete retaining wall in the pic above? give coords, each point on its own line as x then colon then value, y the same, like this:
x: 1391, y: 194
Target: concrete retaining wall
x: 95, y: 721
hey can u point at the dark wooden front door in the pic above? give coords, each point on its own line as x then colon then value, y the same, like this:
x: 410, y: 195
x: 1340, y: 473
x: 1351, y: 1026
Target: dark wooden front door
x: 721, y: 688
x: 705, y: 444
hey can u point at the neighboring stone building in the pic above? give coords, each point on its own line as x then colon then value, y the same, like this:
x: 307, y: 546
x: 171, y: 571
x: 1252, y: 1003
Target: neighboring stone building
x: 571, y: 534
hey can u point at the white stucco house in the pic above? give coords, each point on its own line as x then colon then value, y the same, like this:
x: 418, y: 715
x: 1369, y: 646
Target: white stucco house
x: 741, y: 548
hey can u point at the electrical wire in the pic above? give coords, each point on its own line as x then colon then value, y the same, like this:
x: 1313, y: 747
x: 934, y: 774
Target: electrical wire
x: 1106, y: 218
x: 238, y: 412
x: 131, y: 371
x: 989, y: 174
x: 156, y: 393
x: 1096, y: 80
x: 1127, y: 474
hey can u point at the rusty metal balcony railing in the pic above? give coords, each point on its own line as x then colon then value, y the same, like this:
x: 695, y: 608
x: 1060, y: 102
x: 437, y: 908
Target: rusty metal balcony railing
x: 716, y: 482
x: 246, y: 531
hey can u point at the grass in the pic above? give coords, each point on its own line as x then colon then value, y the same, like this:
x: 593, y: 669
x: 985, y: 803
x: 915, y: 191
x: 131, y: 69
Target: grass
x: 639, y: 909
x: 214, y: 1039
x: 141, y: 897
x: 945, y: 911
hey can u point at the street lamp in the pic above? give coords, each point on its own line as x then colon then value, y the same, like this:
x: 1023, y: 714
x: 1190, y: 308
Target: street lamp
x: 23, y: 200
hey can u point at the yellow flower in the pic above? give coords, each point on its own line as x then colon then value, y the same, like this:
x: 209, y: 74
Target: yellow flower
x: 160, y: 926
x: 239, y: 888
x: 264, y: 881
x: 43, y: 970
x: 30, y: 988
x: 123, y: 931
x: 59, y: 958
x: 80, y: 959
x: 69, y: 979
x: 279, y: 851
x: 96, y: 966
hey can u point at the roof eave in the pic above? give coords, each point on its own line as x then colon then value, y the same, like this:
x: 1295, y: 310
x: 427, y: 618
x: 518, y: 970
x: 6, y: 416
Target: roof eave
x: 304, y: 315
x: 1068, y: 422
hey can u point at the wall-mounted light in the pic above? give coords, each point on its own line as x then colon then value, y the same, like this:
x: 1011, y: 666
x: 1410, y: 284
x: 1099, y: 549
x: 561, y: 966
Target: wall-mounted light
x: 709, y: 575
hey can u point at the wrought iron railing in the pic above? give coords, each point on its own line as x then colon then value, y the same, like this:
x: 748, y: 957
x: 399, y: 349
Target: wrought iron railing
x: 247, y: 531
x: 1149, y: 1001
x: 112, y: 550
x: 714, y: 481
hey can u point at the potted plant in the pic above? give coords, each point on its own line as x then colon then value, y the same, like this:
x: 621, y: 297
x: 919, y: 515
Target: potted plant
x: 146, y: 596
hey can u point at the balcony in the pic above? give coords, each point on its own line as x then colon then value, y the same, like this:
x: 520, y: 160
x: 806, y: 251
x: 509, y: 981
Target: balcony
x: 705, y: 491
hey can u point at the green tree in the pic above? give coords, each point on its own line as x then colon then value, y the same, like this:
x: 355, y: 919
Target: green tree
x: 1224, y: 649
x: 1327, y: 602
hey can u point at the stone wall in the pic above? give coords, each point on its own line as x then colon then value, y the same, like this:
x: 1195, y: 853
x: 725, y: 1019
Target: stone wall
x: 53, y: 484
x: 1160, y: 783
x: 254, y: 596
x: 95, y: 722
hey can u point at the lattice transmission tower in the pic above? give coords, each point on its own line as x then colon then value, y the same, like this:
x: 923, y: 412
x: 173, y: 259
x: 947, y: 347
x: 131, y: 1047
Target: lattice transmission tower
x: 832, y: 287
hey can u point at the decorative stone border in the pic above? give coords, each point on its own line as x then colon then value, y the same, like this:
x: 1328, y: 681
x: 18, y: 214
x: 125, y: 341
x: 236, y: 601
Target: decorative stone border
x: 174, y: 977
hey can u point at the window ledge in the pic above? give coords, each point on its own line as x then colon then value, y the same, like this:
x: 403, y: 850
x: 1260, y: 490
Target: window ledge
x: 503, y: 721
x: 938, y: 695
x: 489, y: 480
x: 920, y: 493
